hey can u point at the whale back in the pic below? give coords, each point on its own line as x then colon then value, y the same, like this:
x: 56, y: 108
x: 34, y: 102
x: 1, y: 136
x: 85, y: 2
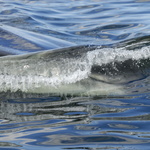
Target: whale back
x: 78, y: 70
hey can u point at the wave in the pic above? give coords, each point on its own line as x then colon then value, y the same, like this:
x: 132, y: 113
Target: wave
x: 19, y: 41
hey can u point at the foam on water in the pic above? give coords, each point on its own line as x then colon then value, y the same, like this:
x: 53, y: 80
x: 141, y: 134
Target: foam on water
x: 35, y: 71
x: 109, y: 55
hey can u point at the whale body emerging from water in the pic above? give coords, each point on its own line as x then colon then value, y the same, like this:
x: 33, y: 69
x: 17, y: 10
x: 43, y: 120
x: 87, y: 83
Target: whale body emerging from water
x: 78, y: 70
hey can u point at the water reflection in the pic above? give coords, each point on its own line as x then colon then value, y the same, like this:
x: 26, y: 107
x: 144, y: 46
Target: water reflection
x: 67, y: 122
x: 15, y: 111
x: 104, y: 139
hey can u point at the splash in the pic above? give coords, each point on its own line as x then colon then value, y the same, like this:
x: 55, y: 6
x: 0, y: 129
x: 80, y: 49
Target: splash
x: 112, y: 55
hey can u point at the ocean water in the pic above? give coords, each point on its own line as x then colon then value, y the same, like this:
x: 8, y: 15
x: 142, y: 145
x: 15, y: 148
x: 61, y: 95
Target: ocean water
x: 111, y: 49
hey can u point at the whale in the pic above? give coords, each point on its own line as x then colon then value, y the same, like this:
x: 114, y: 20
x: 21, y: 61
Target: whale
x: 77, y: 71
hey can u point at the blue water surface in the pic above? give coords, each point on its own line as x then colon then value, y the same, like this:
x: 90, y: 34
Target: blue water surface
x: 114, y: 123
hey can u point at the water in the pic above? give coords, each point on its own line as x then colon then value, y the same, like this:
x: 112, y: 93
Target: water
x: 65, y: 121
